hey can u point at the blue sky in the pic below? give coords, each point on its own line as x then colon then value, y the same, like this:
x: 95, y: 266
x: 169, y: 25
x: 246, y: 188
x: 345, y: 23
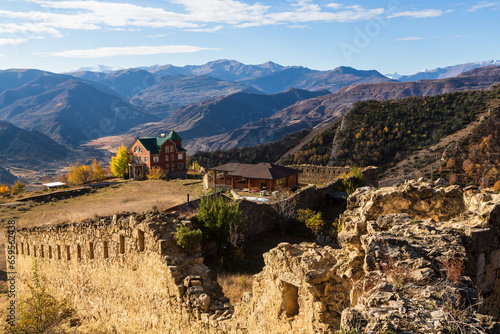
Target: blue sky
x: 391, y: 35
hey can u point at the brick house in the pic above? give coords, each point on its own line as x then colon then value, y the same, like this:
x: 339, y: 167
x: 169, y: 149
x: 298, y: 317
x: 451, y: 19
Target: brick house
x: 165, y: 152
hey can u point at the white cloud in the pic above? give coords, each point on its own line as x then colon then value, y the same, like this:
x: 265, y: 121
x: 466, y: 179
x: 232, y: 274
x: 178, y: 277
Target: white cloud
x: 482, y: 5
x: 126, y: 51
x: 419, y: 13
x: 217, y: 28
x: 55, y: 16
x: 407, y: 39
x: 12, y: 41
x: 334, y: 5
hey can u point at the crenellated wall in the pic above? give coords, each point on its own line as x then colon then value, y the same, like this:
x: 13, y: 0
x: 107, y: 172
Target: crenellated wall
x: 127, y: 272
x: 325, y: 174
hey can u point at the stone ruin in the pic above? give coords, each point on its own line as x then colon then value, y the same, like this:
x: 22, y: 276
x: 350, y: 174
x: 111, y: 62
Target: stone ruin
x: 414, y: 258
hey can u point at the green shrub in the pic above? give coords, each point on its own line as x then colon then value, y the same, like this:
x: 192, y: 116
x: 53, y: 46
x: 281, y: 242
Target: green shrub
x: 188, y: 239
x: 40, y: 312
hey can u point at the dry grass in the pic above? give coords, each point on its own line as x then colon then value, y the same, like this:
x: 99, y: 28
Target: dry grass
x: 234, y: 285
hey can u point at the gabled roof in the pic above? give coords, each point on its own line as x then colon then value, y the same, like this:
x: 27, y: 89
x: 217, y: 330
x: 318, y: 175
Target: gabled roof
x: 263, y: 171
x: 152, y: 145
x: 173, y: 136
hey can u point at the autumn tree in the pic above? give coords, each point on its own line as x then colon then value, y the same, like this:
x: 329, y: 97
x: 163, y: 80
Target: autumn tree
x: 79, y: 174
x: 18, y: 187
x: 4, y: 189
x: 98, y: 173
x: 156, y: 173
x: 119, y: 163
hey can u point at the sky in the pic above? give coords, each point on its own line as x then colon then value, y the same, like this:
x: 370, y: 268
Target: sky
x: 388, y: 36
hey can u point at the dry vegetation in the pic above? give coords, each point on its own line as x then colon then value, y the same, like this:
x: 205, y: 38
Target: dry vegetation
x: 234, y: 285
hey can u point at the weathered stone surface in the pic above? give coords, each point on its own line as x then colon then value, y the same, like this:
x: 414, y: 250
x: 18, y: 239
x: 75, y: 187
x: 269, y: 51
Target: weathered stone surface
x: 394, y: 271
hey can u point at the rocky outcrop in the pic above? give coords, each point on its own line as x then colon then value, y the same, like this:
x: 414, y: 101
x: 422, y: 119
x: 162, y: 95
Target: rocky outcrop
x: 413, y: 259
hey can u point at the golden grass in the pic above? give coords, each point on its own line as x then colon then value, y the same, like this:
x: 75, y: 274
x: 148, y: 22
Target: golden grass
x: 234, y: 285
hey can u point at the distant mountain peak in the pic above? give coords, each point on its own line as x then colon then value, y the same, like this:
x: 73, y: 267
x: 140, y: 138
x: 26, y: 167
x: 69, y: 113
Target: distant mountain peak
x: 99, y: 68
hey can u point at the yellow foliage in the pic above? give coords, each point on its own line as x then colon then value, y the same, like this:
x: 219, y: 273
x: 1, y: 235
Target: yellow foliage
x: 119, y: 163
x: 79, y: 174
x: 311, y: 218
x: 156, y: 173
x: 98, y: 173
x: 3, y: 188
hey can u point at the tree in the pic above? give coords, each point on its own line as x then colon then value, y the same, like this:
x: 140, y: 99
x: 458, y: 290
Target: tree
x: 188, y: 239
x: 3, y: 189
x: 312, y: 219
x: 98, y: 173
x: 119, y: 163
x: 220, y: 218
x: 79, y: 174
x: 18, y: 187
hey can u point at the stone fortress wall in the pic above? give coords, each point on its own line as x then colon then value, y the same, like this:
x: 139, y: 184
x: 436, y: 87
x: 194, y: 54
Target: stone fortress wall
x: 325, y: 174
x: 128, y: 272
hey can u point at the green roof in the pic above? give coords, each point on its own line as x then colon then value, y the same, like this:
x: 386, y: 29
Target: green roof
x: 153, y: 145
x: 173, y: 136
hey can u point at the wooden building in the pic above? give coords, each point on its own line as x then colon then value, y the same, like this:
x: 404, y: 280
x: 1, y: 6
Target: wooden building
x: 262, y: 176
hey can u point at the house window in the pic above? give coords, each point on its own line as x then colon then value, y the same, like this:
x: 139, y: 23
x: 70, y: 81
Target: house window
x: 155, y: 159
x: 171, y: 148
x: 281, y: 181
x: 171, y: 157
x: 181, y: 166
x: 140, y: 149
x: 167, y: 170
x: 140, y: 159
x: 145, y: 159
x: 172, y: 165
x: 180, y: 156
x: 166, y: 157
x: 135, y: 149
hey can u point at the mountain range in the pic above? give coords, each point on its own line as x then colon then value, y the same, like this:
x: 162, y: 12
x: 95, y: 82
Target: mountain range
x: 221, y: 104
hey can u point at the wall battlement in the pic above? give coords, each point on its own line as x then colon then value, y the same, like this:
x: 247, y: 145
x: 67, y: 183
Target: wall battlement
x: 115, y: 268
x: 325, y: 174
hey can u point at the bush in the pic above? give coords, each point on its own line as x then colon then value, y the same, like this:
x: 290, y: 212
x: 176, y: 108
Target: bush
x: 311, y: 218
x: 39, y: 312
x: 220, y: 218
x: 156, y: 173
x: 18, y: 187
x: 3, y: 189
x: 188, y: 239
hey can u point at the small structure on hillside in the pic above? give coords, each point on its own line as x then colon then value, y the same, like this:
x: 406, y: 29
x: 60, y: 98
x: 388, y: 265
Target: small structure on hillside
x: 165, y: 152
x: 262, y: 176
x: 54, y: 185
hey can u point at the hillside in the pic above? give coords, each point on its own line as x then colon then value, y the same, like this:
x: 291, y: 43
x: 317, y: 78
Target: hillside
x: 269, y: 152
x: 6, y: 177
x: 321, y: 110
x: 182, y: 90
x: 68, y: 110
x: 304, y: 78
x: 222, y: 114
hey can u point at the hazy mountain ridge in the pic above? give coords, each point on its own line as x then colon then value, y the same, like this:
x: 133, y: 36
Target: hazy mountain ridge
x: 211, y: 117
x: 448, y: 71
x: 321, y: 110
x: 68, y: 110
